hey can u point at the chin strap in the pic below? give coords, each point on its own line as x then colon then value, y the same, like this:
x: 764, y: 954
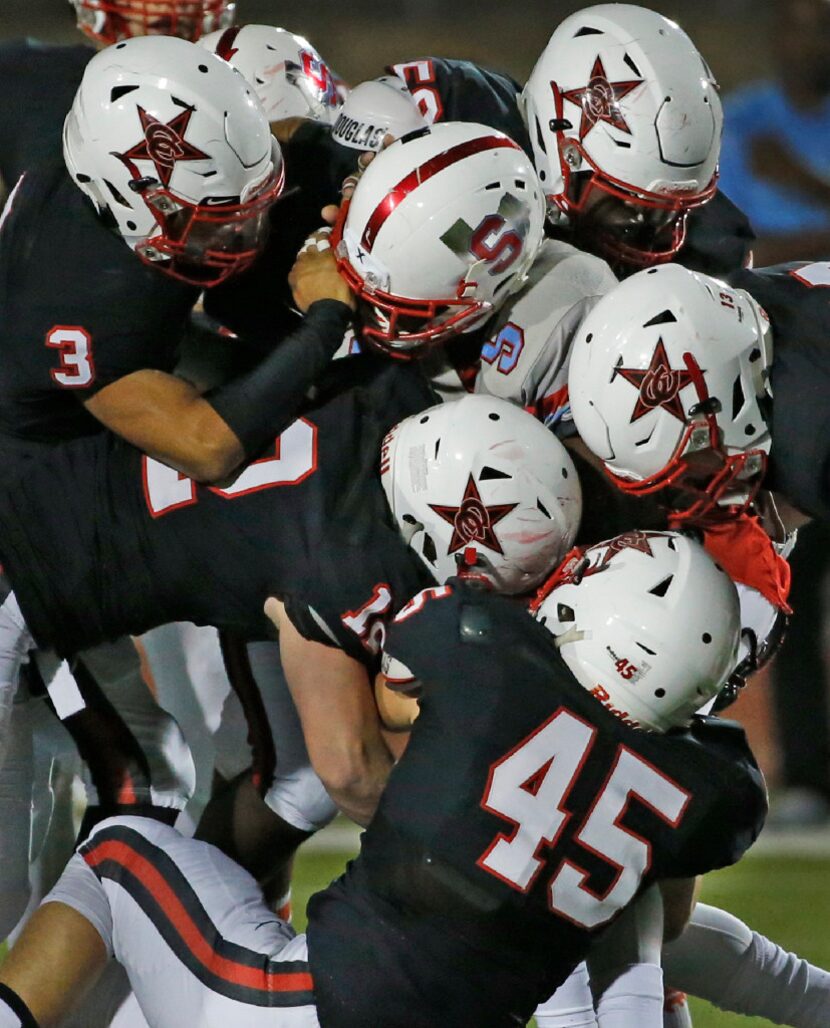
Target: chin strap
x: 747, y: 554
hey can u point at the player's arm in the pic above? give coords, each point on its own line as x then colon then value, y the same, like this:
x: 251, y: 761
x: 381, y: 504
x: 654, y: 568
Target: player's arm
x: 208, y: 437
x: 342, y: 730
x: 397, y: 710
x: 54, y: 962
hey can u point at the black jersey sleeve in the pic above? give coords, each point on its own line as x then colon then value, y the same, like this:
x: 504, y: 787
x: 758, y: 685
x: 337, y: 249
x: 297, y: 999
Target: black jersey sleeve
x: 452, y: 90
x: 737, y: 804
x: 718, y: 238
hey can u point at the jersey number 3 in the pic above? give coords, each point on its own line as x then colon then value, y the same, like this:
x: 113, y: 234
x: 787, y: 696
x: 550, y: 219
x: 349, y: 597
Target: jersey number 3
x: 529, y: 787
x: 295, y: 458
x: 75, y: 348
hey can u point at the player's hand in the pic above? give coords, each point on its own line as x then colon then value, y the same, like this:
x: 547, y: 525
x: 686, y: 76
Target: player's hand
x: 330, y: 211
x: 315, y: 275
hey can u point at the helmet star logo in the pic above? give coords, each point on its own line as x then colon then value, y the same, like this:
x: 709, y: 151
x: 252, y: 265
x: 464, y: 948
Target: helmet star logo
x: 659, y: 385
x: 634, y: 540
x: 600, y: 99
x: 164, y: 144
x: 472, y: 521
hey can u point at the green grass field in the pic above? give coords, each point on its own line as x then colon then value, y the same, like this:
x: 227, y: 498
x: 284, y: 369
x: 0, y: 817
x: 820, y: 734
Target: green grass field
x: 787, y: 898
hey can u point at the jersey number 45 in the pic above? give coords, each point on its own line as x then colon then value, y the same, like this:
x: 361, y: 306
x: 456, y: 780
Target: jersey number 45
x: 529, y: 787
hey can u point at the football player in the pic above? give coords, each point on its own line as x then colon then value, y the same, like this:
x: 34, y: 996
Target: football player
x: 623, y: 120
x: 306, y: 528
x: 474, y: 893
x: 700, y: 390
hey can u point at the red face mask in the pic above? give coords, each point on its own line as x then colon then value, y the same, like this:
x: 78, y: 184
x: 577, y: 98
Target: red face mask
x: 109, y: 21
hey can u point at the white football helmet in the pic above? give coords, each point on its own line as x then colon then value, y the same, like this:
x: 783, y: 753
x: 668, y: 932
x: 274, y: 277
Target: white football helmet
x: 625, y: 122
x: 109, y: 21
x: 375, y: 109
x: 173, y: 148
x: 647, y: 623
x: 441, y: 228
x: 480, y: 485
x: 669, y: 386
x: 288, y: 75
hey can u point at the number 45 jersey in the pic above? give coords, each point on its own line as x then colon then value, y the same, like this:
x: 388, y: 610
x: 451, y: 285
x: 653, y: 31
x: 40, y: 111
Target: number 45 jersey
x: 525, y: 817
x: 99, y: 541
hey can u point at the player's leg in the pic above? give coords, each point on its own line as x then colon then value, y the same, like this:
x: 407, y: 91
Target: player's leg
x: 720, y: 959
x: 135, y: 753
x: 16, y: 773
x: 571, y: 1006
x: 624, y: 966
x: 190, y: 927
x: 264, y: 836
x: 186, y: 665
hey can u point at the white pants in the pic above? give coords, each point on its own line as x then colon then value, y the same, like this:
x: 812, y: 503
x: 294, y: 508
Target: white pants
x: 191, y: 928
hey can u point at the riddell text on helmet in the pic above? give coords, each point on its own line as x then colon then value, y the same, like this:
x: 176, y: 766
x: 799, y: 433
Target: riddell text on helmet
x: 602, y: 695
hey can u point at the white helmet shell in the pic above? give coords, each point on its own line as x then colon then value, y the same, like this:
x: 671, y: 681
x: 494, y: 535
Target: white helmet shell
x: 441, y: 228
x: 621, y: 94
x: 162, y: 137
x: 648, y: 623
x: 288, y: 75
x: 480, y: 483
x: 669, y: 363
x: 374, y: 110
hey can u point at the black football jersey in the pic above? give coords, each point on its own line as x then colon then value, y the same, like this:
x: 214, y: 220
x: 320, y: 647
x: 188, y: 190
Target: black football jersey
x: 100, y: 541
x: 38, y: 82
x: 718, y: 235
x: 796, y: 297
x: 78, y: 310
x: 452, y: 90
x: 523, y: 818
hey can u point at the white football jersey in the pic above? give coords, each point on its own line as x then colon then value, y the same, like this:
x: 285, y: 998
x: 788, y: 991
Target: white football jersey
x: 525, y: 359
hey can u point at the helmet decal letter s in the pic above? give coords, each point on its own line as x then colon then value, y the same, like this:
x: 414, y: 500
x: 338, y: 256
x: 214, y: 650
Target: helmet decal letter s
x: 659, y: 385
x: 494, y: 241
x: 472, y: 521
x: 164, y: 144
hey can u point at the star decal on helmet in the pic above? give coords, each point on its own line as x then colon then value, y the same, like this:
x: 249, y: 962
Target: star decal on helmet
x: 634, y: 540
x: 659, y: 385
x: 600, y: 99
x: 472, y: 521
x: 164, y: 144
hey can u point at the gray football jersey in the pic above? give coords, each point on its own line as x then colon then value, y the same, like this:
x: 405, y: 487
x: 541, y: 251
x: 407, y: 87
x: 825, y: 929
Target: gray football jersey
x: 525, y: 359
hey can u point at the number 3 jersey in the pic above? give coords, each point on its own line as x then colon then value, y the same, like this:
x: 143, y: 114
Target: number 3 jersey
x: 524, y: 818
x: 100, y: 541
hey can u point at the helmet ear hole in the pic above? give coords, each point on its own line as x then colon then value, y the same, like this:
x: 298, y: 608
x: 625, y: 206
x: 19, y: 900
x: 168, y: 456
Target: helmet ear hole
x: 429, y: 551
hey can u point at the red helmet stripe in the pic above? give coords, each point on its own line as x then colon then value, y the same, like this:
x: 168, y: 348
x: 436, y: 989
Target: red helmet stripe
x: 425, y: 171
x: 225, y: 48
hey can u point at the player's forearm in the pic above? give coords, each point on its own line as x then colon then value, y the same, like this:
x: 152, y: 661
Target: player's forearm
x: 355, y: 777
x: 259, y: 405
